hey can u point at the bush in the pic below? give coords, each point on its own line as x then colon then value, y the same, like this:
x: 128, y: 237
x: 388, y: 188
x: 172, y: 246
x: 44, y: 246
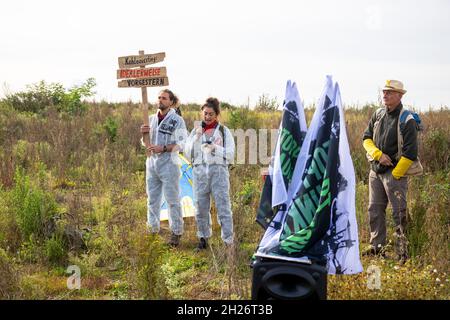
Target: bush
x: 243, y: 118
x: 106, y: 243
x: 38, y: 97
x: 111, y: 126
x: 267, y: 104
x: 31, y: 251
x: 33, y: 207
x: 248, y: 192
x: 147, y: 259
x: 176, y: 270
x: 55, y: 249
x: 71, y: 102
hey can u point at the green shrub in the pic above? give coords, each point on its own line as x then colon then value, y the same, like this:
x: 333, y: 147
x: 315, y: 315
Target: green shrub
x: 111, y: 126
x: 55, y: 249
x: 34, y: 208
x: 87, y: 262
x: 243, y: 118
x: 31, y: 251
x: 267, y: 104
x: 36, y: 98
x: 39, y: 96
x: 147, y: 260
x: 248, y: 192
x: 106, y: 243
x: 71, y: 102
x: 176, y: 270
x: 103, y: 209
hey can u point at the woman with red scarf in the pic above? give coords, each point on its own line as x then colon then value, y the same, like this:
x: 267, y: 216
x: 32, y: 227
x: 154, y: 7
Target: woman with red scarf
x: 210, y: 148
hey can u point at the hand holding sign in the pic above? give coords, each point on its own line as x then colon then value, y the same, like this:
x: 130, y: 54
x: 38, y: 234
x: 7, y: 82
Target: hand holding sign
x: 155, y: 148
x: 145, y: 129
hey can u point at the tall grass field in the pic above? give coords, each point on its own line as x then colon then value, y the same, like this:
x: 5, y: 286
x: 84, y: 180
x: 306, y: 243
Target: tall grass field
x: 72, y: 193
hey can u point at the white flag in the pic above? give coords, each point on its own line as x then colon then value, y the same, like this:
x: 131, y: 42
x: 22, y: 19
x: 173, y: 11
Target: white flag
x: 290, y: 139
x: 342, y: 237
x: 320, y: 221
x: 292, y: 132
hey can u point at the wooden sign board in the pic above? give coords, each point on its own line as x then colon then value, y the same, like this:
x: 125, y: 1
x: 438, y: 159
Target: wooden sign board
x: 140, y: 60
x: 141, y: 73
x: 144, y: 82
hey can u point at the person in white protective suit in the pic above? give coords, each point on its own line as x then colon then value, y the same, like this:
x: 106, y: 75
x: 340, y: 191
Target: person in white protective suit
x: 210, y: 147
x: 168, y: 134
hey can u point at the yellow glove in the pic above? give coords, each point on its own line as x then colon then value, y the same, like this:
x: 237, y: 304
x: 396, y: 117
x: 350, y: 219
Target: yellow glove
x: 401, y: 167
x: 372, y: 150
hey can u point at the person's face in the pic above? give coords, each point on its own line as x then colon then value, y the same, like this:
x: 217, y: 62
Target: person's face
x: 164, y: 101
x: 209, y: 115
x: 391, y: 99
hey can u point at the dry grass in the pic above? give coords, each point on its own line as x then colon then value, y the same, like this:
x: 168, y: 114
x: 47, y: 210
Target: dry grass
x: 93, y: 167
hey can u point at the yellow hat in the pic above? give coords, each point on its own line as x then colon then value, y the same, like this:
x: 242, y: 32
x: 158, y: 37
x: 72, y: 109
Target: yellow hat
x: 394, y: 85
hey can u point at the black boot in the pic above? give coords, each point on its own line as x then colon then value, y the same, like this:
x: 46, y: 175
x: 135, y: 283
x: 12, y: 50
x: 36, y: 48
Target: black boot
x: 202, y: 244
x: 174, y: 240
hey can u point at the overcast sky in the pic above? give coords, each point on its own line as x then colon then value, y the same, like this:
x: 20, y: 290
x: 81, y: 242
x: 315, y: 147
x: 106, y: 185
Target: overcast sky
x: 234, y: 50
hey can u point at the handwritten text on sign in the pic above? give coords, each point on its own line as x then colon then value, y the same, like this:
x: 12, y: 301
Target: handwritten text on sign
x: 140, y: 60
x: 146, y: 82
x: 141, y: 73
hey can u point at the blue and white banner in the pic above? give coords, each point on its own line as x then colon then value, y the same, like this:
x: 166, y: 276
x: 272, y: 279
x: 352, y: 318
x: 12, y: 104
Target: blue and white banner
x: 320, y: 221
x: 187, y: 196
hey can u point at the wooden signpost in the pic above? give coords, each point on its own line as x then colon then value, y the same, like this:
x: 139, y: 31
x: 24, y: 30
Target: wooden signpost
x: 136, y: 75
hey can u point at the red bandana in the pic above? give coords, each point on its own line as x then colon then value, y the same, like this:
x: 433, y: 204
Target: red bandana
x: 208, y: 128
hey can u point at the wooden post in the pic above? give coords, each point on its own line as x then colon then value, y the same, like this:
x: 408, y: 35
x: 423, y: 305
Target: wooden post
x: 146, y: 136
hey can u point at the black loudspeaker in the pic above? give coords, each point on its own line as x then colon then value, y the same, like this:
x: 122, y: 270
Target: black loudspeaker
x: 285, y: 280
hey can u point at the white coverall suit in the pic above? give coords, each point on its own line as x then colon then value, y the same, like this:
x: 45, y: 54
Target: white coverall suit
x: 211, y: 177
x: 163, y: 171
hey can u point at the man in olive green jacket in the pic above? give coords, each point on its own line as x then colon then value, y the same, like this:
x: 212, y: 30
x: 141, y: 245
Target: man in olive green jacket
x: 387, y: 181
